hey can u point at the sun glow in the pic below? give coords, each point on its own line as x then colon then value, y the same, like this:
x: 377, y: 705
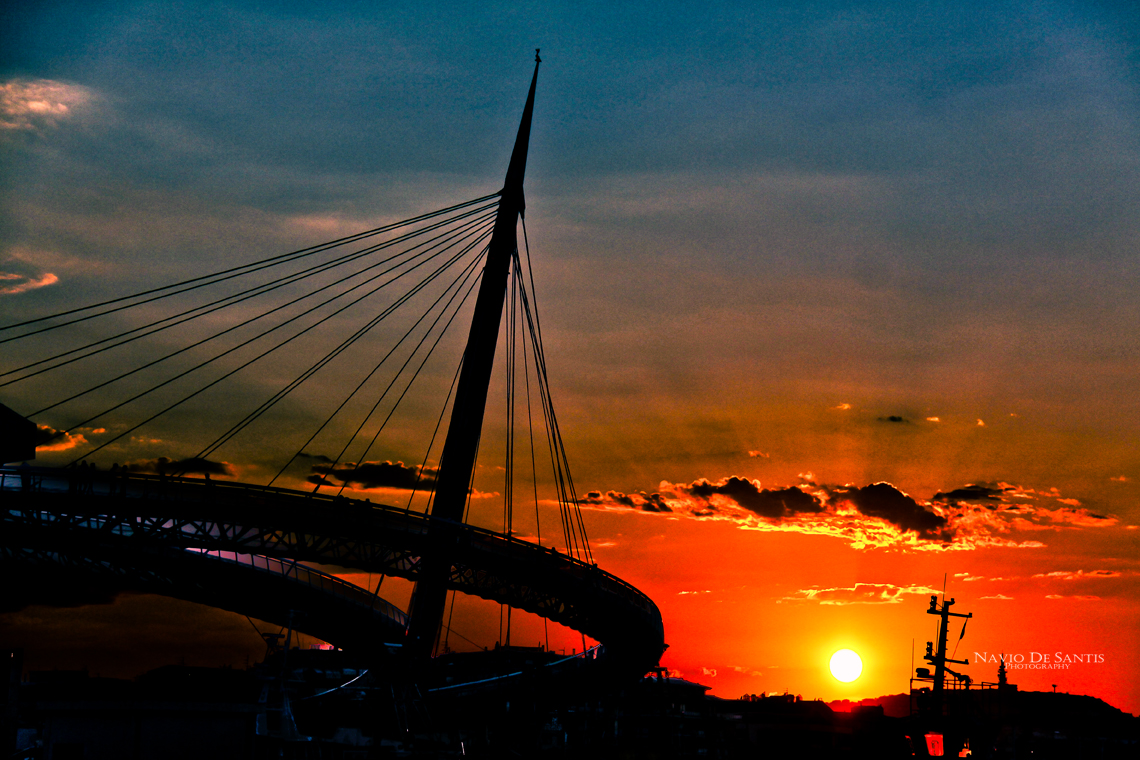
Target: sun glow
x: 846, y: 665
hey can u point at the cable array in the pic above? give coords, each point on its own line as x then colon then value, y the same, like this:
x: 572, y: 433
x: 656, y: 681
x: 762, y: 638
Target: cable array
x: 415, y: 252
x: 320, y: 303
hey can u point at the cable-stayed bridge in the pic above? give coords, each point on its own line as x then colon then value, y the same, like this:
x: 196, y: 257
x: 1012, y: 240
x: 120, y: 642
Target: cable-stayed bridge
x: 227, y: 360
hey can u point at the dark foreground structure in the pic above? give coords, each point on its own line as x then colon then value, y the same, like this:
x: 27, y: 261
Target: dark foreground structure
x: 507, y: 702
x: 949, y: 715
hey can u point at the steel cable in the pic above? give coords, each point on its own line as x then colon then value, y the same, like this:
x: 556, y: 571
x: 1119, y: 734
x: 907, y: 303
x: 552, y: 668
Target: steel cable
x: 250, y: 340
x: 232, y: 272
x: 243, y: 366
x: 463, y: 275
x: 236, y: 298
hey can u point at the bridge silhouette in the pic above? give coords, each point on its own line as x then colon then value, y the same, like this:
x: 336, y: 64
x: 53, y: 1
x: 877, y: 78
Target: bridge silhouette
x: 248, y: 548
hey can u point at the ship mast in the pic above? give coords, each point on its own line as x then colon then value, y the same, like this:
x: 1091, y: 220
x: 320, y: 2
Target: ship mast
x: 457, y: 463
x: 939, y: 658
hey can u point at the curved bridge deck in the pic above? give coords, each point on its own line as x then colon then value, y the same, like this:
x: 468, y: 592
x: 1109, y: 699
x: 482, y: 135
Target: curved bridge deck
x: 136, y: 519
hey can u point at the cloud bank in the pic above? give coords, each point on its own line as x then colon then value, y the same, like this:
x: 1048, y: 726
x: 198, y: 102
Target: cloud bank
x: 875, y: 515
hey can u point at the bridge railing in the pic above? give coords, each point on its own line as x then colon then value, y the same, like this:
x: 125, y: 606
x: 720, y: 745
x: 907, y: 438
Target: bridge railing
x: 313, y: 578
x: 123, y: 483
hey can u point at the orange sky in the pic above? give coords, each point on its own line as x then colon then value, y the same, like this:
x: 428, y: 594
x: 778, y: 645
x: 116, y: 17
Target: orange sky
x: 756, y: 604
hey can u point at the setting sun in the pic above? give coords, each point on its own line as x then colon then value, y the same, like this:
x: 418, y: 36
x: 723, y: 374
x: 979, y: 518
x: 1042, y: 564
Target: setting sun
x: 846, y: 665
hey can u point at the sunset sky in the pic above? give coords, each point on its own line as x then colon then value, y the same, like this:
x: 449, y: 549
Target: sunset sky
x: 839, y: 299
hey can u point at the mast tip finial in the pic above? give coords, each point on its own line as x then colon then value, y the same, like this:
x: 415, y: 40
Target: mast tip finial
x: 536, y: 58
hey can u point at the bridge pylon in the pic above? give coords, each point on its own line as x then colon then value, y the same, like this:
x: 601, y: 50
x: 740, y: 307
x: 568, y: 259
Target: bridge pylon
x: 461, y: 446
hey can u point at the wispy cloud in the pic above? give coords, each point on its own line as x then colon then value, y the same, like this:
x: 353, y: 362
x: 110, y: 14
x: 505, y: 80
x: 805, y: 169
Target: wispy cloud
x: 12, y: 283
x: 1068, y: 575
x: 860, y: 593
x: 31, y: 105
x: 1079, y: 598
x: 968, y: 577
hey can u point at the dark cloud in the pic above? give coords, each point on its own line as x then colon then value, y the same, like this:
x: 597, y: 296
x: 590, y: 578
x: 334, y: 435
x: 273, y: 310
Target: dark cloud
x: 609, y: 497
x: 46, y: 434
x: 303, y: 465
x: 971, y: 492
x: 887, y: 502
x: 318, y: 458
x: 654, y: 502
x: 773, y: 504
x: 368, y: 475
x: 189, y: 466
